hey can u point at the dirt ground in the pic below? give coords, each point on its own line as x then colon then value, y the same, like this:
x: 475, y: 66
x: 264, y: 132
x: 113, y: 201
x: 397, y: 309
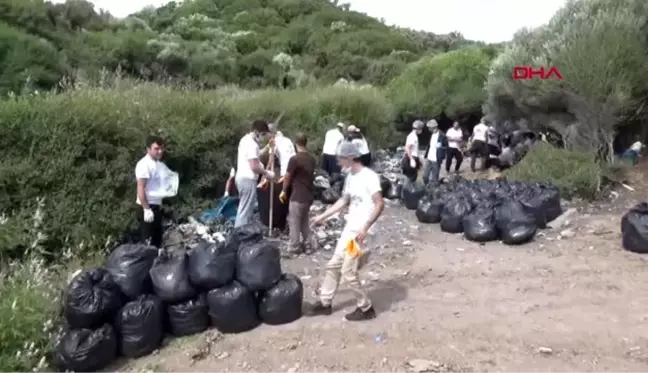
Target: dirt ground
x: 572, y: 300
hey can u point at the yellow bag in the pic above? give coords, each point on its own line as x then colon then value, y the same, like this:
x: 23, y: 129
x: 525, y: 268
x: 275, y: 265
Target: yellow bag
x: 353, y: 248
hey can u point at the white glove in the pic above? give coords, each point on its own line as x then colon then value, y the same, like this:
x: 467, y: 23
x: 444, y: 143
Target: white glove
x: 226, y: 194
x: 412, y: 162
x: 232, y: 172
x: 270, y: 174
x: 148, y: 215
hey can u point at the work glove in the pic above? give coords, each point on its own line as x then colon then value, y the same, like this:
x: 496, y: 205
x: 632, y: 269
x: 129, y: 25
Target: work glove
x: 270, y: 175
x: 232, y: 173
x: 283, y: 197
x: 281, y: 180
x: 412, y: 162
x: 148, y: 215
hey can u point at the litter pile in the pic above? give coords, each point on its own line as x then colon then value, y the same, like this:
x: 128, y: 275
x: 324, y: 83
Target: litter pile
x: 486, y: 210
x: 141, y: 294
x: 634, y: 229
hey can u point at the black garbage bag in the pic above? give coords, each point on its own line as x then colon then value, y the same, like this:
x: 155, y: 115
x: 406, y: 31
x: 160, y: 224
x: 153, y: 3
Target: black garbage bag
x: 140, y: 326
x: 211, y: 265
x: 453, y: 213
x: 542, y: 202
x: 385, y: 185
x: 429, y: 210
x: 634, y: 229
x: 170, y: 277
x: 412, y: 193
x: 480, y: 225
x: 515, y: 225
x: 189, y: 317
x: 282, y: 304
x: 93, y: 299
x: 233, y: 308
x: 259, y: 265
x: 330, y: 196
x: 129, y: 266
x: 85, y: 350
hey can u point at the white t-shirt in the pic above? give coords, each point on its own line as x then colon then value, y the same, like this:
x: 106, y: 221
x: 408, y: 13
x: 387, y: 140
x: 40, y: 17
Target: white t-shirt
x: 332, y: 140
x: 248, y: 149
x: 149, y: 169
x: 360, y: 187
x: 434, y: 145
x: 285, y: 150
x: 455, y: 137
x: 480, y: 132
x: 412, y: 140
x: 362, y: 145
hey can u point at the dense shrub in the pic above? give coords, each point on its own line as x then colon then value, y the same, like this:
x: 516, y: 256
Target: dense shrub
x: 575, y: 174
x: 78, y: 150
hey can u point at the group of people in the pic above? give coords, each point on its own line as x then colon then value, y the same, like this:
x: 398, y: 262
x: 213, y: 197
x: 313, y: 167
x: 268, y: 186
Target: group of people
x: 345, y: 150
x: 484, y: 144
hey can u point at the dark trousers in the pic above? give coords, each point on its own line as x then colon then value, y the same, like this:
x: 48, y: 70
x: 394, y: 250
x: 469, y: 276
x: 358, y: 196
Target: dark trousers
x: 408, y: 171
x: 152, y: 230
x: 330, y: 164
x: 479, y: 149
x: 366, y: 159
x: 454, y: 153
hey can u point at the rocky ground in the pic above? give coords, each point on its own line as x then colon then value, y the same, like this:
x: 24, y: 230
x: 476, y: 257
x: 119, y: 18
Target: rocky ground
x: 572, y: 300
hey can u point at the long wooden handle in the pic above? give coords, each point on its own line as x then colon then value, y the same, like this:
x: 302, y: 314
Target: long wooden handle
x: 271, y: 167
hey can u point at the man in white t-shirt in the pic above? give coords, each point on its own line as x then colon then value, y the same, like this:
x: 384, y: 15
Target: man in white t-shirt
x: 363, y: 195
x: 479, y: 145
x: 455, y: 142
x: 284, y: 147
x: 248, y: 170
x: 435, y: 153
x: 411, y: 161
x: 149, y: 186
x: 332, y: 140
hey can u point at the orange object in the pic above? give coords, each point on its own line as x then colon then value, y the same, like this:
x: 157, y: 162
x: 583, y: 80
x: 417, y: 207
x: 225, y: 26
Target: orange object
x: 353, y: 249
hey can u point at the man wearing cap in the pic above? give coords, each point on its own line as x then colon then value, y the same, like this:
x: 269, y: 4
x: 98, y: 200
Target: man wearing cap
x: 435, y: 153
x: 411, y: 162
x: 363, y: 195
x: 284, y: 147
x: 479, y: 145
x: 332, y: 140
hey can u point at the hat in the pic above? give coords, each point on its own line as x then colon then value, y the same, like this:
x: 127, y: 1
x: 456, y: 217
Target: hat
x: 341, y: 125
x: 353, y: 128
x: 272, y: 126
x: 347, y: 149
x: 417, y: 125
x: 432, y: 123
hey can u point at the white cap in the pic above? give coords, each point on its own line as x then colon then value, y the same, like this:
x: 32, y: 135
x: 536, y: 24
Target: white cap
x: 417, y: 125
x: 432, y: 123
x: 353, y: 128
x: 341, y: 125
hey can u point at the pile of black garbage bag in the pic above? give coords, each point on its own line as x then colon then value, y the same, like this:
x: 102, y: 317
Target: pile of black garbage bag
x: 141, y: 294
x: 486, y: 210
x: 634, y: 229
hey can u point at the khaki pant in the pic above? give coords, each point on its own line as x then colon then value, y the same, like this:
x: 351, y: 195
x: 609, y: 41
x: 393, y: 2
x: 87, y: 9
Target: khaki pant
x: 299, y: 225
x: 343, y: 266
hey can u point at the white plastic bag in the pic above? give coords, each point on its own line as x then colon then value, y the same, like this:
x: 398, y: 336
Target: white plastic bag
x: 169, y: 182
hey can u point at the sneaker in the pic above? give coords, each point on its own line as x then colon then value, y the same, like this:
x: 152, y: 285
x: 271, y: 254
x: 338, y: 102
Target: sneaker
x: 318, y: 309
x: 360, y: 315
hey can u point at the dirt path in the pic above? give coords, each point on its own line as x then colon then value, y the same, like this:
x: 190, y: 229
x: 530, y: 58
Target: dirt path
x: 577, y: 303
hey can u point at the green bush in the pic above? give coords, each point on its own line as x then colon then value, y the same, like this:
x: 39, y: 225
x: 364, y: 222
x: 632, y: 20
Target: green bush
x: 575, y: 174
x: 78, y: 150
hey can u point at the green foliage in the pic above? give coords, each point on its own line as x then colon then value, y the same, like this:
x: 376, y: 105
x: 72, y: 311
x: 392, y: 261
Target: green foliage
x: 208, y: 42
x: 450, y: 83
x: 77, y: 150
x: 600, y: 48
x: 575, y: 174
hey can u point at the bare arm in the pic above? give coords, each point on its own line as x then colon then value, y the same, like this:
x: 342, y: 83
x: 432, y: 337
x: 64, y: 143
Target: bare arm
x: 337, y: 207
x: 255, y: 165
x: 379, y: 203
x: 290, y: 170
x: 141, y: 192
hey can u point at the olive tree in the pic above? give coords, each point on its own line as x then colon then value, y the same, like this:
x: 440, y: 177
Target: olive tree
x: 600, y: 49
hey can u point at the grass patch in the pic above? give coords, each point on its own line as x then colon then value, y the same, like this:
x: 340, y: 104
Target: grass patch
x: 575, y: 174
